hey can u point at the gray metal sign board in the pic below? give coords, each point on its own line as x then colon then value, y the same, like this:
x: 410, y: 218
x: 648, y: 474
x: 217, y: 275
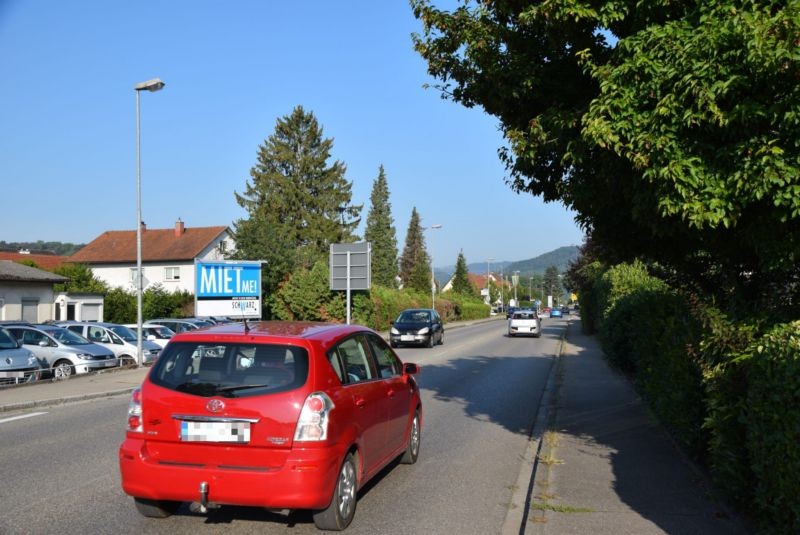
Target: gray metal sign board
x: 360, y: 258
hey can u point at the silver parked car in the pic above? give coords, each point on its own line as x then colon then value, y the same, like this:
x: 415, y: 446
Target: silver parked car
x: 64, y: 351
x: 117, y: 338
x: 181, y: 325
x: 17, y: 364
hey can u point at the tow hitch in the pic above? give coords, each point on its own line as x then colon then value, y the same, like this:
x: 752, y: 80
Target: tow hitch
x: 203, y: 505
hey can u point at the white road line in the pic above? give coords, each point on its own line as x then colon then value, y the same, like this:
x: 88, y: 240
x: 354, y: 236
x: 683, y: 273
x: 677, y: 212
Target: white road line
x: 4, y: 420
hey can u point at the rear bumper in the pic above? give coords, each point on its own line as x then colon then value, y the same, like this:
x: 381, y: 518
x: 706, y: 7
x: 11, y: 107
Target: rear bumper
x: 304, y: 481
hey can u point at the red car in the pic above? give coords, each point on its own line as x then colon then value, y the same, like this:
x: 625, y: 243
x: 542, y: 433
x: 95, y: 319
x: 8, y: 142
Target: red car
x: 280, y: 415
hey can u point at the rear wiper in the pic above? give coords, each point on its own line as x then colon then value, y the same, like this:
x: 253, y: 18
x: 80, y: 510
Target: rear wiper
x: 233, y: 388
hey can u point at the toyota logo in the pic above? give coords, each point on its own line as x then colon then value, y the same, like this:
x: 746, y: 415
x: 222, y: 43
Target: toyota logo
x: 215, y: 405
x: 8, y: 360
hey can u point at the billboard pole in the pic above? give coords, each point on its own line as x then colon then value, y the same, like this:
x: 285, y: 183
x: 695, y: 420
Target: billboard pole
x: 348, y: 287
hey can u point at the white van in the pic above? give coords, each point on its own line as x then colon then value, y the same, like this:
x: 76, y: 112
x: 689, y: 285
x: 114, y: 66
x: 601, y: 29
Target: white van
x: 117, y: 338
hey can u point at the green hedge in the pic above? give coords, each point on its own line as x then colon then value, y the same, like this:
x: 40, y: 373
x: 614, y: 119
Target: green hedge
x: 306, y: 295
x: 754, y: 423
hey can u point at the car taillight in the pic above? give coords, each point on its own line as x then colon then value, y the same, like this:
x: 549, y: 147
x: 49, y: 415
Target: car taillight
x: 135, y: 411
x: 313, y: 422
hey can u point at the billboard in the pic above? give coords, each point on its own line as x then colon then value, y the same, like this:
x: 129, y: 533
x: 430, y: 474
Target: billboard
x: 350, y: 266
x: 228, y: 288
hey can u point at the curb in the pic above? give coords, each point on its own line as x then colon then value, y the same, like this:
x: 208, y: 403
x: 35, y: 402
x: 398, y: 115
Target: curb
x: 23, y: 405
x: 516, y: 521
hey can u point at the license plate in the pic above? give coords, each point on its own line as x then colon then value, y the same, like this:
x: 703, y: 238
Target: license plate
x: 108, y: 363
x: 407, y: 338
x: 215, y: 431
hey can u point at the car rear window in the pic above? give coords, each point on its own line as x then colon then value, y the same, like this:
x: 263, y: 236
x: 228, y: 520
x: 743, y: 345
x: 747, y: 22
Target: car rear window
x: 230, y: 370
x: 524, y: 315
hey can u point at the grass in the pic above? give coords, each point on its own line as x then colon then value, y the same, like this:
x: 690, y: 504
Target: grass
x: 560, y: 508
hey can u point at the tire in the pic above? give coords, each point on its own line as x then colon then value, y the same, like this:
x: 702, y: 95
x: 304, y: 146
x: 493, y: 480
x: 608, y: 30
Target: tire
x: 393, y: 344
x: 338, y: 515
x: 441, y: 339
x: 127, y: 361
x: 63, y: 369
x: 155, y: 508
x: 431, y: 340
x: 412, y: 449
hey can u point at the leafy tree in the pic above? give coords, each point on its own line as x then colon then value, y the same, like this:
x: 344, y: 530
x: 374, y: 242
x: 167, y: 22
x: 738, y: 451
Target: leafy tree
x: 381, y: 233
x: 306, y: 295
x: 297, y: 204
x: 552, y: 282
x: 81, y: 280
x: 461, y: 283
x: 415, y: 262
x: 119, y: 306
x: 669, y: 127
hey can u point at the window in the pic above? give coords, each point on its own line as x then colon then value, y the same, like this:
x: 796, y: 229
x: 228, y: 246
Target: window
x: 172, y: 273
x: 388, y: 365
x: 354, y: 359
x: 133, y: 275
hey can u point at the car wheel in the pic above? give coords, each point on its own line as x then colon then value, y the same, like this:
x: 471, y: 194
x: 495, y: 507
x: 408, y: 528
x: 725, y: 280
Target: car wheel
x: 412, y: 449
x: 393, y: 344
x: 441, y: 339
x: 338, y: 515
x: 155, y: 508
x: 431, y: 339
x: 62, y: 370
x: 127, y: 361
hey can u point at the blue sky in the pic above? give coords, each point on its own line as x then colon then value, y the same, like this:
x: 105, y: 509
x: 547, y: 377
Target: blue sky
x: 232, y: 68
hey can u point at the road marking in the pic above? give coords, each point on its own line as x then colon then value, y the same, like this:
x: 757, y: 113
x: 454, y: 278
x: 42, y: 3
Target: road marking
x: 4, y: 420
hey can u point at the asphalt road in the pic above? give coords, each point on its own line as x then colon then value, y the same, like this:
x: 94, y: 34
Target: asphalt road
x: 481, y: 391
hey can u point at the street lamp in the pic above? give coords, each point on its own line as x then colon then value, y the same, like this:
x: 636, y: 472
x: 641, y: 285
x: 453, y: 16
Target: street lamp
x: 150, y: 85
x: 433, y: 277
x: 515, y: 281
x: 488, y: 271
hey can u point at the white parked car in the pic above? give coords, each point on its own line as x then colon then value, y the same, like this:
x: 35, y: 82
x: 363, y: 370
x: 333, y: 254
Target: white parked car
x: 118, y: 338
x: 158, y: 334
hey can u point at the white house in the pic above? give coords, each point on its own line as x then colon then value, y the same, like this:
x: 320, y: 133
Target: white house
x: 168, y: 255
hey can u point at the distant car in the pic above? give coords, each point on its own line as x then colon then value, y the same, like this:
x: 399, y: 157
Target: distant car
x: 279, y: 415
x: 118, y: 338
x: 555, y: 313
x: 525, y: 322
x: 417, y: 326
x: 565, y: 310
x: 158, y: 334
x: 510, y: 311
x: 181, y: 325
x: 17, y: 364
x: 64, y: 351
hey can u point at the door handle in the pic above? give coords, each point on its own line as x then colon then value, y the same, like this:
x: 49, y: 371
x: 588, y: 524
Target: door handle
x: 360, y: 402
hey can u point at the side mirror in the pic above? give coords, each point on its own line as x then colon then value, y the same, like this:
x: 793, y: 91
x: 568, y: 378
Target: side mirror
x: 43, y: 343
x: 409, y: 368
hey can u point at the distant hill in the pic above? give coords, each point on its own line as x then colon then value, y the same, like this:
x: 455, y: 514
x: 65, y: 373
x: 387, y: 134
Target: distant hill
x: 42, y: 247
x: 560, y: 258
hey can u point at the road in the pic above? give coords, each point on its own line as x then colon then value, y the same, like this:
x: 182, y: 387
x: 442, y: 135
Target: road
x: 481, y: 392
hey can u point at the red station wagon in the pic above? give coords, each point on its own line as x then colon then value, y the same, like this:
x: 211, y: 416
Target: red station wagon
x: 280, y: 415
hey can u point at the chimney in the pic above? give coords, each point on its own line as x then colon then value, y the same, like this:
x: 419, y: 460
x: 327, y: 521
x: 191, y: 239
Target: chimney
x: 144, y: 226
x: 179, y: 228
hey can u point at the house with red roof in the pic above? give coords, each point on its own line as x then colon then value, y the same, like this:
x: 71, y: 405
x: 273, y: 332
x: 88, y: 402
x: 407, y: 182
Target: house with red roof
x: 47, y: 262
x: 168, y: 255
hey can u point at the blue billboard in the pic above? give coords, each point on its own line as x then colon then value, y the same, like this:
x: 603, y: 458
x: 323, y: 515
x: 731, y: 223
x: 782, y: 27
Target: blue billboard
x: 228, y: 289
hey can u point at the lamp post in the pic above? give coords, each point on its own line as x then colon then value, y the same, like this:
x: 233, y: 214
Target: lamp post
x: 150, y: 85
x: 433, y: 277
x: 515, y: 281
x: 488, y: 272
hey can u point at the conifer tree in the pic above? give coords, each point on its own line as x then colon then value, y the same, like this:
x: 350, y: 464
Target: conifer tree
x: 415, y: 262
x: 297, y: 204
x: 461, y: 283
x: 381, y: 233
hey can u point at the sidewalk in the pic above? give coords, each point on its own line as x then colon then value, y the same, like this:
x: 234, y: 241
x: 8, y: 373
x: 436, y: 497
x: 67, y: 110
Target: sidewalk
x: 76, y: 388
x: 606, y: 466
